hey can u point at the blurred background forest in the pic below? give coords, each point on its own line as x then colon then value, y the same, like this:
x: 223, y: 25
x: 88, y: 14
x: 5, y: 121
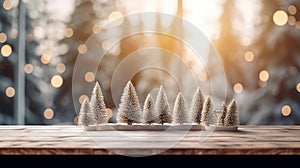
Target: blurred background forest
x: 258, y: 42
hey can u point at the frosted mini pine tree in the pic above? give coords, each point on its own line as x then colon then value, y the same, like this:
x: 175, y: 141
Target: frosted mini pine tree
x: 205, y: 111
x: 180, y: 114
x: 196, y: 107
x: 149, y: 114
x: 97, y: 105
x: 85, y: 117
x: 129, y: 109
x: 223, y: 113
x: 232, y: 115
x: 162, y: 107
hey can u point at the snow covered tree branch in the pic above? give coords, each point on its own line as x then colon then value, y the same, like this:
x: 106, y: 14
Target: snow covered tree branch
x: 232, y: 115
x: 149, y: 114
x: 205, y: 111
x: 85, y: 117
x: 196, y: 107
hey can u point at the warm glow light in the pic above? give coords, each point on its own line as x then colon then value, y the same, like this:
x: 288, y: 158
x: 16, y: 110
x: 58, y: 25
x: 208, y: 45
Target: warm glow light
x: 7, y: 4
x: 109, y: 112
x: 249, y: 56
x: 292, y: 20
x: 264, y: 75
x: 46, y: 57
x: 286, y: 110
x: 238, y: 88
x: 60, y: 68
x: 203, y: 76
x: 89, y: 76
x: 280, y: 18
x: 292, y: 9
x: 6, y: 50
x: 96, y: 29
x: 69, y: 32
x: 3, y: 37
x: 82, y: 48
x: 82, y: 98
x: 48, y: 113
x: 28, y: 68
x: 298, y: 87
x: 116, y: 17
x: 10, y: 92
x: 56, y: 81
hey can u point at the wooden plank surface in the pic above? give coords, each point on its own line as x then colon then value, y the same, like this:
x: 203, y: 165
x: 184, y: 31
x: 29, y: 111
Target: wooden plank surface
x: 70, y: 139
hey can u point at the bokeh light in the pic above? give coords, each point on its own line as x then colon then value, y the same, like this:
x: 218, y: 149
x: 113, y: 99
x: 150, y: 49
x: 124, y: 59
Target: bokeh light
x: 82, y: 48
x: 292, y: 20
x: 82, y: 98
x: 3, y: 37
x: 89, y: 77
x: 60, y: 68
x: 56, y: 81
x: 109, y: 112
x: 117, y: 17
x: 96, y: 28
x: 249, y: 56
x: 69, y: 32
x: 264, y: 75
x: 238, y: 88
x: 48, y: 113
x: 7, y: 4
x: 292, y: 9
x: 280, y: 18
x: 28, y: 68
x: 10, y: 92
x: 46, y: 57
x: 298, y: 87
x: 286, y: 110
x: 6, y: 50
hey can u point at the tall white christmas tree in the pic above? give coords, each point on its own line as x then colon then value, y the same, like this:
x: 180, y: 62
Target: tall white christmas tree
x: 205, y: 111
x: 196, y: 107
x: 98, y: 106
x: 162, y: 107
x: 180, y: 114
x: 232, y: 115
x: 129, y: 108
x: 85, y: 117
x: 149, y: 114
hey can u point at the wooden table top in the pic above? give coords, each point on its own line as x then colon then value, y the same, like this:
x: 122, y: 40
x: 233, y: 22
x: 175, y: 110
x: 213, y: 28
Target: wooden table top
x: 73, y: 140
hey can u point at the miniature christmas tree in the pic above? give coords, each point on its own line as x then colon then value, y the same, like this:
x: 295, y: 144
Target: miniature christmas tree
x: 149, y: 114
x: 129, y: 109
x: 180, y: 114
x: 223, y: 113
x: 98, y: 106
x: 205, y: 111
x: 232, y: 115
x: 196, y: 107
x: 85, y: 118
x: 162, y: 107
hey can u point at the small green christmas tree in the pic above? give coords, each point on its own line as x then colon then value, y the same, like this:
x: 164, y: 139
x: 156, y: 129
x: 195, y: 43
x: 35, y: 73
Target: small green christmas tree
x: 196, y: 107
x: 180, y: 114
x: 162, y: 107
x: 205, y: 111
x: 97, y: 105
x: 232, y: 115
x: 85, y: 117
x: 149, y: 114
x: 129, y: 109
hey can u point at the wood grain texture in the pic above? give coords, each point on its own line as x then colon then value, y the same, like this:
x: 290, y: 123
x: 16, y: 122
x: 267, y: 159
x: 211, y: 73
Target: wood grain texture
x: 73, y: 140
